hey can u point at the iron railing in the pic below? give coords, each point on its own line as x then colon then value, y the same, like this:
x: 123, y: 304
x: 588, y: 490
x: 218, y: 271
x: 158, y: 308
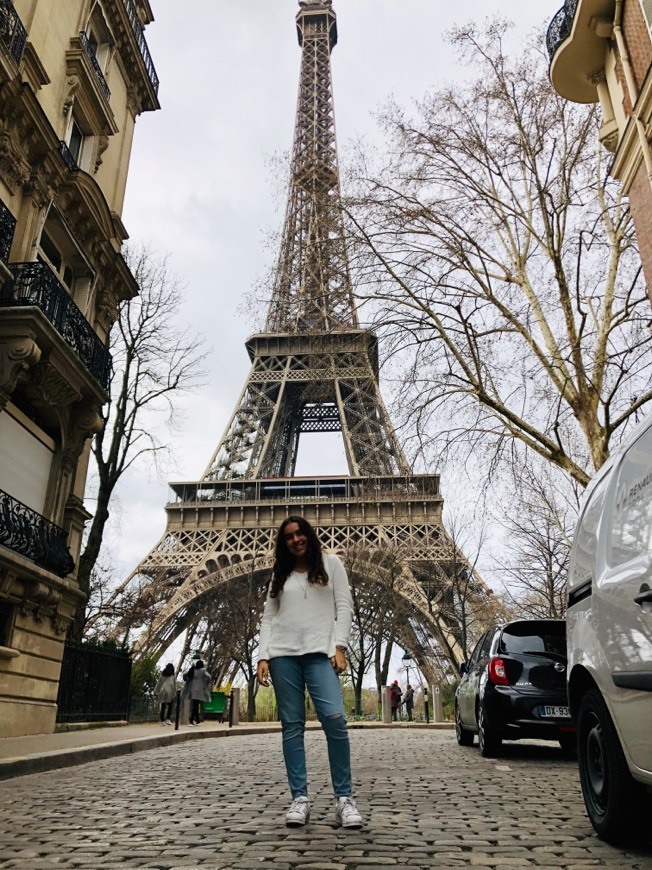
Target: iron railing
x: 96, y: 67
x: 424, y: 487
x: 94, y: 684
x: 12, y: 32
x: 36, y: 284
x: 25, y: 531
x: 7, y: 228
x: 137, y: 27
x: 68, y: 159
x: 560, y: 26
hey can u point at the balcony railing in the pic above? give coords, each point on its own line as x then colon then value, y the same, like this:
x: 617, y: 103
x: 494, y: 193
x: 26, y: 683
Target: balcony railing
x: 36, y: 284
x: 560, y: 26
x: 96, y: 67
x: 26, y: 532
x: 12, y: 32
x: 139, y: 34
x: 7, y: 228
x: 68, y: 159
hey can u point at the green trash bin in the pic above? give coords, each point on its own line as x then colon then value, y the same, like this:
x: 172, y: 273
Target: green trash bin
x: 216, y: 707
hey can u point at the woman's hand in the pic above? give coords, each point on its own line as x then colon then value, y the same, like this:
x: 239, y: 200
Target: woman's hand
x: 262, y: 673
x: 339, y: 661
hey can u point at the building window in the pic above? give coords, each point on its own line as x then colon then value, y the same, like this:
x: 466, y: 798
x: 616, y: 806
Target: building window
x: 99, y: 36
x: 6, y: 622
x: 79, y: 144
x: 58, y: 251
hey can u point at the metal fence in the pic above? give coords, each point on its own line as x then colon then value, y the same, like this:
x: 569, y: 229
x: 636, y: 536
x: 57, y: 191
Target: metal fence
x: 94, y: 684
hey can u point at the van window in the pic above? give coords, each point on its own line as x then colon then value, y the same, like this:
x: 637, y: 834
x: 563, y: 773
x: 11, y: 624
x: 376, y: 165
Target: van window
x: 631, y: 529
x: 585, y: 543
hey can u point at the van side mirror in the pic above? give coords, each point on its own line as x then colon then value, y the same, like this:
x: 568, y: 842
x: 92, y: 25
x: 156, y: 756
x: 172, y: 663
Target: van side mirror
x: 463, y: 668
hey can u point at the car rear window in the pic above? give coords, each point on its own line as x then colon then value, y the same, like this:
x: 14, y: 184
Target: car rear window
x: 527, y: 637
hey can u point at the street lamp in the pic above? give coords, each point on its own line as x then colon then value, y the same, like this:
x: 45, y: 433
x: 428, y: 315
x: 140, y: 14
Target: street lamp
x: 407, y: 661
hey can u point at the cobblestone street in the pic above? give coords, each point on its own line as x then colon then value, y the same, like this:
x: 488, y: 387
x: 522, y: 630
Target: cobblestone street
x: 220, y: 804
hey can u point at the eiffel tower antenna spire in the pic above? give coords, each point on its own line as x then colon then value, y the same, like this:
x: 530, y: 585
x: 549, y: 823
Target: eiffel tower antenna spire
x: 312, y: 287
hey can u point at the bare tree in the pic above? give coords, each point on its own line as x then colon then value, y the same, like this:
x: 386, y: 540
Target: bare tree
x: 457, y: 594
x: 501, y: 266
x: 233, y: 620
x: 379, y: 617
x: 538, y: 518
x: 154, y: 362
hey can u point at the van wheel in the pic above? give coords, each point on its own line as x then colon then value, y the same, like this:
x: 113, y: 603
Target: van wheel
x: 488, y: 741
x: 464, y: 737
x: 615, y: 802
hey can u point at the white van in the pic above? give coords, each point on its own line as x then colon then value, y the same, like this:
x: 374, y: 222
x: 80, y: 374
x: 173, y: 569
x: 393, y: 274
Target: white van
x: 609, y: 628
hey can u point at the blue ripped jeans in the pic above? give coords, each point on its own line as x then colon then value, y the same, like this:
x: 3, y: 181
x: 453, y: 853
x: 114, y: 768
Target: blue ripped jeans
x: 291, y: 675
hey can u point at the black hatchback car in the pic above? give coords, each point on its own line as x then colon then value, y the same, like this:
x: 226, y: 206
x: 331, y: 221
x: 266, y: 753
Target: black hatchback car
x: 514, y: 685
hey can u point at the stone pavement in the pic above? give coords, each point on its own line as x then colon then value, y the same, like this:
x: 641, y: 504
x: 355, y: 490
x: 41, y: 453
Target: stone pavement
x: 220, y: 804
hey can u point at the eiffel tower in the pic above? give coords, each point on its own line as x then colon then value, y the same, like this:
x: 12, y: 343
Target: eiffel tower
x: 313, y: 369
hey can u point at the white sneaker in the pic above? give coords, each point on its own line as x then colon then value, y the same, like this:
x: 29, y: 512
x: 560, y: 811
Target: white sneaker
x: 346, y: 813
x: 168, y: 721
x: 299, y: 813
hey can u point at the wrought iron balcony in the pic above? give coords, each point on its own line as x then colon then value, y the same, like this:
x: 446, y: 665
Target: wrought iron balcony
x: 96, y: 67
x: 7, y: 227
x: 12, y: 32
x: 137, y: 27
x: 560, y: 26
x: 68, y: 159
x: 26, y: 532
x: 36, y: 284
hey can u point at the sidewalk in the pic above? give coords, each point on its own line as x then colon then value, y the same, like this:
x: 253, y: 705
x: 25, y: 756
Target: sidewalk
x: 41, y: 752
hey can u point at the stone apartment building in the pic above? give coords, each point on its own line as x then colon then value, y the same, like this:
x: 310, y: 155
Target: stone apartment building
x: 74, y: 76
x: 601, y: 50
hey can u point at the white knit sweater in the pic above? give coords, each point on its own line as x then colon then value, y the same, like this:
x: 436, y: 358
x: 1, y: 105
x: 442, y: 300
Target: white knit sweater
x: 306, y: 618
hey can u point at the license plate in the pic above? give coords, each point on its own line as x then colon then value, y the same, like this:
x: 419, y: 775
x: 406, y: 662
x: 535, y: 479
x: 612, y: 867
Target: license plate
x: 554, y: 712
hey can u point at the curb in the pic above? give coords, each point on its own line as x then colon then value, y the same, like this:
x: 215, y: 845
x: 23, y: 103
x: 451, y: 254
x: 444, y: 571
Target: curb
x: 61, y: 758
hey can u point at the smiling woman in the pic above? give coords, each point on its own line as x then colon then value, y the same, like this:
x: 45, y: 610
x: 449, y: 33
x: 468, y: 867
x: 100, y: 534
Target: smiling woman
x: 303, y: 641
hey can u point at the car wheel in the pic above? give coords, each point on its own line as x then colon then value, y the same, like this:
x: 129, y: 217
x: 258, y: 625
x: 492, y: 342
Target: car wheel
x: 488, y: 741
x: 568, y: 743
x: 464, y: 737
x: 616, y: 804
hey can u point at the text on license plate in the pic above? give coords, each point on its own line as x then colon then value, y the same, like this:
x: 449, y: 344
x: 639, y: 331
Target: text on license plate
x: 556, y: 712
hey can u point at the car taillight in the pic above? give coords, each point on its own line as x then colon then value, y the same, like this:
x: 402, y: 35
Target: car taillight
x: 498, y: 672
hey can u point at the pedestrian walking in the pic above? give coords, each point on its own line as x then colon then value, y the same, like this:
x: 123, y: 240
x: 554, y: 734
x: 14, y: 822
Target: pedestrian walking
x: 304, y: 637
x: 197, y: 689
x: 395, y: 694
x: 408, y: 700
x: 165, y: 692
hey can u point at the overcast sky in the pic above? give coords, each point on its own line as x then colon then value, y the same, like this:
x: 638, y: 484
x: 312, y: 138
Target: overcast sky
x: 203, y: 183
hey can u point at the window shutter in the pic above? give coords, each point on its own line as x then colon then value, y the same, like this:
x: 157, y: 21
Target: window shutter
x: 647, y: 11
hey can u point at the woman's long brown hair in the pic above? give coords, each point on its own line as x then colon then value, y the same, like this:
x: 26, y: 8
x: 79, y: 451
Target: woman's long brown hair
x: 284, y: 560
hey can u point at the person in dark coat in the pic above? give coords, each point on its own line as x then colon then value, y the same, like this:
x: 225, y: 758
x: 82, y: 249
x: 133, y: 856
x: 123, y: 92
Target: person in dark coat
x: 166, y: 692
x: 409, y: 701
x: 395, y: 695
x: 197, y: 689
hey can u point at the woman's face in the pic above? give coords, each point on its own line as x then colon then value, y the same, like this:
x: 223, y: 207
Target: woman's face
x: 296, y: 541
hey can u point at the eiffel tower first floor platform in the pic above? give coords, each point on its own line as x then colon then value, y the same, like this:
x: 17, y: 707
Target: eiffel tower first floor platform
x: 387, y: 530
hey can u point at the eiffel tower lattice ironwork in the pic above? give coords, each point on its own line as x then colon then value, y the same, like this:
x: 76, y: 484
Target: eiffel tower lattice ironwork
x: 313, y: 369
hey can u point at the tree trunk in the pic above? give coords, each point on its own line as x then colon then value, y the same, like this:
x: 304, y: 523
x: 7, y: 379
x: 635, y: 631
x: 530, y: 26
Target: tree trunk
x: 87, y: 561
